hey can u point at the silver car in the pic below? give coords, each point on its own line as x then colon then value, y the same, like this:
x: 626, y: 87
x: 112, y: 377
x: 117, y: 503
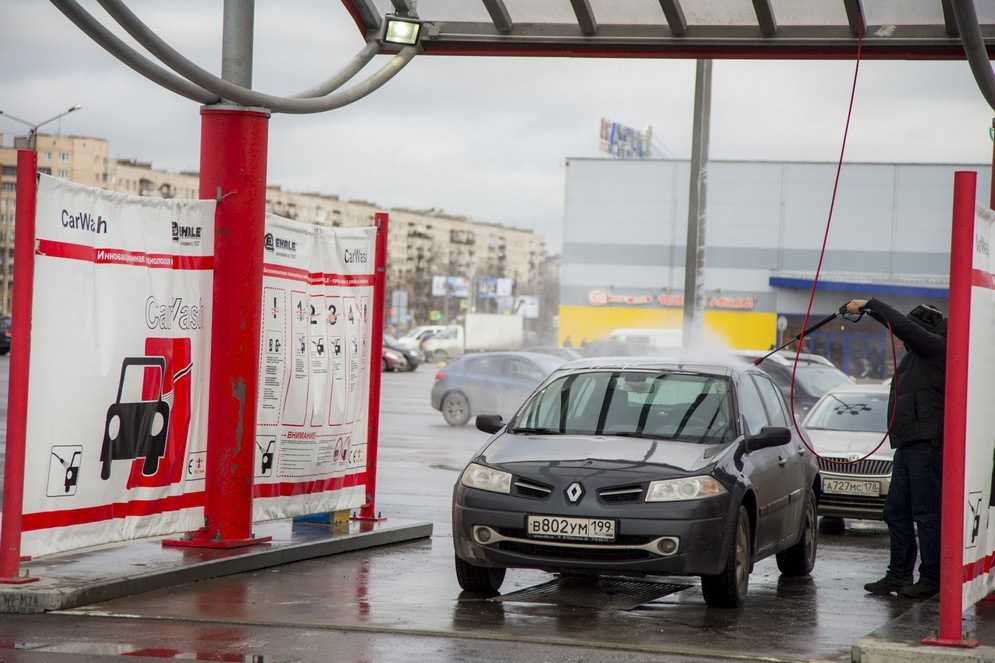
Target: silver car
x: 844, y: 426
x: 489, y: 383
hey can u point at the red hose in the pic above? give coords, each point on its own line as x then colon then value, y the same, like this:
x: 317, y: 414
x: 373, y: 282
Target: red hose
x: 815, y: 284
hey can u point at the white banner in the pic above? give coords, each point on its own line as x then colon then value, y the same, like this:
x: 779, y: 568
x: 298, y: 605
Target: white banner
x: 120, y: 356
x: 979, y: 476
x: 314, y: 369
x: 120, y: 365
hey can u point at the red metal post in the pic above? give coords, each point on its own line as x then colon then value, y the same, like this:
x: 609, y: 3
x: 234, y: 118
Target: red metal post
x: 20, y: 356
x: 233, y: 146
x: 950, y: 632
x: 382, y: 220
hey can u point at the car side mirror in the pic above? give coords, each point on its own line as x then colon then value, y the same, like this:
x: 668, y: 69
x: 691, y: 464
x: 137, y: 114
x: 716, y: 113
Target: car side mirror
x: 768, y: 437
x: 489, y: 423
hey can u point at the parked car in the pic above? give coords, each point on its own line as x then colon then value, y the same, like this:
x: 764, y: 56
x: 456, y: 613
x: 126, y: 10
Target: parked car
x: 488, y: 383
x: 844, y: 426
x: 566, y: 354
x: 413, y: 356
x: 815, y: 377
x: 393, y: 360
x: 413, y: 339
x: 5, y: 332
x: 640, y: 466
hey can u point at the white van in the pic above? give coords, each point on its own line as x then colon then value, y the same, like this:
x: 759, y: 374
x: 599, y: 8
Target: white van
x: 652, y: 339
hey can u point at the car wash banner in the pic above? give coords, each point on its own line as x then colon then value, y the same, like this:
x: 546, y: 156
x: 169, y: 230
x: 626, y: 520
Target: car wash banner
x: 979, y: 447
x: 117, y: 411
x: 314, y: 370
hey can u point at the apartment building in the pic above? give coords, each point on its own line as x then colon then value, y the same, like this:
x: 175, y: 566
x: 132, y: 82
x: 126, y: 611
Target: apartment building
x: 422, y: 243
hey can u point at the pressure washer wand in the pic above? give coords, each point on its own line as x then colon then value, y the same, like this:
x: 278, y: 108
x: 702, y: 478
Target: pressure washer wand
x: 821, y: 323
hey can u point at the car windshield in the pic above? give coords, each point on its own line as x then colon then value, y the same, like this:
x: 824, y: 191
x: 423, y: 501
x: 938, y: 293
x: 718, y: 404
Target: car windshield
x: 659, y: 405
x: 851, y: 411
x: 818, y: 379
x: 389, y: 340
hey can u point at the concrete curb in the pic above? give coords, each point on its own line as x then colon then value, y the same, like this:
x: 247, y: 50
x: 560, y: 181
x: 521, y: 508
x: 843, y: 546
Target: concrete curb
x: 61, y: 593
x: 873, y: 650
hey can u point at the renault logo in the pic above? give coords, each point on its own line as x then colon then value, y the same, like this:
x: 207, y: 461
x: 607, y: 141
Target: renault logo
x: 574, y: 492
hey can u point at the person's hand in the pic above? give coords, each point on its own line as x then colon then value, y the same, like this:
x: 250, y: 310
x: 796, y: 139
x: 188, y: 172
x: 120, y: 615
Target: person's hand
x: 856, y: 306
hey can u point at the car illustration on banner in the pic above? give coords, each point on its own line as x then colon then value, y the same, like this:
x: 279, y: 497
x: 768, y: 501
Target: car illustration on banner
x: 136, y: 429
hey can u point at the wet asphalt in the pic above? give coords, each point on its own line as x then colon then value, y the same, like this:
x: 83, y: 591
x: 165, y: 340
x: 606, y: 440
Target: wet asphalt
x: 403, y: 602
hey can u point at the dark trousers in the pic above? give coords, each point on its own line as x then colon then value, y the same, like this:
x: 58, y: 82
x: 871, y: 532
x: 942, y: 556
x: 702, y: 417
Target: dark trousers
x: 914, y: 503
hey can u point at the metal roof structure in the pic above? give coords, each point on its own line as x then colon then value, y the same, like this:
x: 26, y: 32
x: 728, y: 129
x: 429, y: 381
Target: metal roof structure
x: 694, y: 29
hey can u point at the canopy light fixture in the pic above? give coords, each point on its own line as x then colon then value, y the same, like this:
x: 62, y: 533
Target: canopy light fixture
x: 401, y: 31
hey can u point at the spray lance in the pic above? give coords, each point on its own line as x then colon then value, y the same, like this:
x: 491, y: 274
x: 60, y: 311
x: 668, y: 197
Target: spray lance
x: 841, y: 313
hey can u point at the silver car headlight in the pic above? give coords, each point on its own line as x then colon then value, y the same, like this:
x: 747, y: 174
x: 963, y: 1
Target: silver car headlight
x: 688, y: 488
x: 486, y: 478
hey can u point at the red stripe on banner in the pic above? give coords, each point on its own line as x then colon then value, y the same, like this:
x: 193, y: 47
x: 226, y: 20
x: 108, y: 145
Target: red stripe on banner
x: 94, y: 514
x: 291, y: 488
x: 979, y: 567
x: 109, y: 256
x: 316, y: 278
x: 982, y: 279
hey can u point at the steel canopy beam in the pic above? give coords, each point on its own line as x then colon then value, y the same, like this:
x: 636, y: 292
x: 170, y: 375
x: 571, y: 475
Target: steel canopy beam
x: 585, y: 17
x: 855, y: 16
x: 765, y: 17
x: 675, y: 17
x: 365, y: 13
x: 403, y: 7
x: 499, y: 14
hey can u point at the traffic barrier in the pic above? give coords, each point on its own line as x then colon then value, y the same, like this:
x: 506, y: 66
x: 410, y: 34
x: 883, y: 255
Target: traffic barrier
x: 114, y: 415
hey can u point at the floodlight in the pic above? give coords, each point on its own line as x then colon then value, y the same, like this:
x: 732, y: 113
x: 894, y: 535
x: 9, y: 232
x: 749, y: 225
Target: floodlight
x: 401, y: 31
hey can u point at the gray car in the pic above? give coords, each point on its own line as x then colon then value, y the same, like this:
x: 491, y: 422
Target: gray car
x: 640, y: 466
x: 489, y: 383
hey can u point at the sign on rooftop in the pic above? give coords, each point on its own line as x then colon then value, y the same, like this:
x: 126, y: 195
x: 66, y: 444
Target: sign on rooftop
x: 625, y: 142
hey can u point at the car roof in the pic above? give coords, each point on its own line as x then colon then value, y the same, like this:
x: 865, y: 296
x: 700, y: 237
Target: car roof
x: 654, y: 363
x: 535, y: 356
x: 783, y: 358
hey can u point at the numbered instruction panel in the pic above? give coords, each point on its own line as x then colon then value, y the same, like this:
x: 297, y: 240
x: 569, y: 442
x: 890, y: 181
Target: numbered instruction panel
x: 314, y: 369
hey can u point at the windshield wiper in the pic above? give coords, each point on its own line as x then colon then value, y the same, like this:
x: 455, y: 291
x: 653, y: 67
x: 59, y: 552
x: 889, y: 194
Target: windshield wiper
x: 536, y: 431
x: 647, y: 436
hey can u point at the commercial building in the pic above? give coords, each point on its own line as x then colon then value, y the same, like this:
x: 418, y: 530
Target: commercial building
x: 625, y: 224
x: 422, y: 243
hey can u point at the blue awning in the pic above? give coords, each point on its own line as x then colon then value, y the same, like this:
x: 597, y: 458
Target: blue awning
x: 863, y: 287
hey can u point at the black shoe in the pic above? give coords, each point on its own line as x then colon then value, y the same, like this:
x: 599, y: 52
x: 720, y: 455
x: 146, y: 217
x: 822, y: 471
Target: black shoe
x: 924, y: 589
x: 885, y: 586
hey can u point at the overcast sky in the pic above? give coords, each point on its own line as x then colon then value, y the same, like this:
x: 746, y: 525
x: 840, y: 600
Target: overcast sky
x: 485, y: 137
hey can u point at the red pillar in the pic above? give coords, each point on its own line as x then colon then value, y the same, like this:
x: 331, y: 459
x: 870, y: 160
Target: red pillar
x: 233, y: 146
x: 382, y: 221
x: 955, y: 417
x: 20, y: 354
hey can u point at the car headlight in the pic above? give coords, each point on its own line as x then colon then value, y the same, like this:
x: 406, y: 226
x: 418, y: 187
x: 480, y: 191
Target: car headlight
x: 486, y: 478
x: 689, y: 488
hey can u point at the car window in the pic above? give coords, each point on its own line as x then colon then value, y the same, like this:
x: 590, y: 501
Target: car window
x: 658, y: 405
x: 484, y: 365
x: 751, y: 407
x: 524, y: 370
x: 852, y: 412
x: 771, y: 400
x: 818, y: 379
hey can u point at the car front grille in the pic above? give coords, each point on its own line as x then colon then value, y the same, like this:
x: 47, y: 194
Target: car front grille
x: 847, y: 503
x: 582, y: 554
x: 866, y: 467
x: 528, y: 488
x: 621, y: 494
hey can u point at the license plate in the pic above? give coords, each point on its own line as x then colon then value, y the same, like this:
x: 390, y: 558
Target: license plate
x: 575, y: 529
x: 854, y: 487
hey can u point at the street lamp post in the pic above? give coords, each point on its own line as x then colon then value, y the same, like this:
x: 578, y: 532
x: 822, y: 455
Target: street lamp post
x: 35, y: 126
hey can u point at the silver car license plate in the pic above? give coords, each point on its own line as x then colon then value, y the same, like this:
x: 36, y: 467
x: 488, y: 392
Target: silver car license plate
x: 575, y: 529
x: 853, y: 487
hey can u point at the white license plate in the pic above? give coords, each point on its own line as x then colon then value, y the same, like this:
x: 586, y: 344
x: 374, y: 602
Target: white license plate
x: 576, y: 529
x: 859, y: 488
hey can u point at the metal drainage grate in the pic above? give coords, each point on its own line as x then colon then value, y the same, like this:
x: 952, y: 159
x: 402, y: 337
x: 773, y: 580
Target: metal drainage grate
x: 603, y: 593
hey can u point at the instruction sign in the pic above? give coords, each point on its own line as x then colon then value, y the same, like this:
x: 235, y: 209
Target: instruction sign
x: 979, y: 476
x: 120, y: 364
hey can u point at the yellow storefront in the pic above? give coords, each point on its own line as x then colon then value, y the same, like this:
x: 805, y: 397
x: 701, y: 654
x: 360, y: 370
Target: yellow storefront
x: 742, y: 330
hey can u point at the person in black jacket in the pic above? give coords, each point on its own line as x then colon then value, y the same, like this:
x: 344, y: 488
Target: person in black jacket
x: 913, y: 503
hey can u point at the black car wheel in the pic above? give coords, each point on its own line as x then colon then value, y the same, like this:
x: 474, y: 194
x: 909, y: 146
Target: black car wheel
x: 384, y: 366
x: 455, y: 409
x: 728, y: 589
x: 832, y: 525
x: 799, y: 559
x: 478, y: 579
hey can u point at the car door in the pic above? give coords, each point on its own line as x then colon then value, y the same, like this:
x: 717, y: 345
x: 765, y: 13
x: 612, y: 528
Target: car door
x: 484, y: 382
x: 792, y: 458
x: 522, y: 377
x: 766, y: 473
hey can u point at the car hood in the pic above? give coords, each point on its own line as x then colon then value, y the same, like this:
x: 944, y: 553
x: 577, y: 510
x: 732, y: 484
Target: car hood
x: 846, y: 443
x: 582, y: 452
